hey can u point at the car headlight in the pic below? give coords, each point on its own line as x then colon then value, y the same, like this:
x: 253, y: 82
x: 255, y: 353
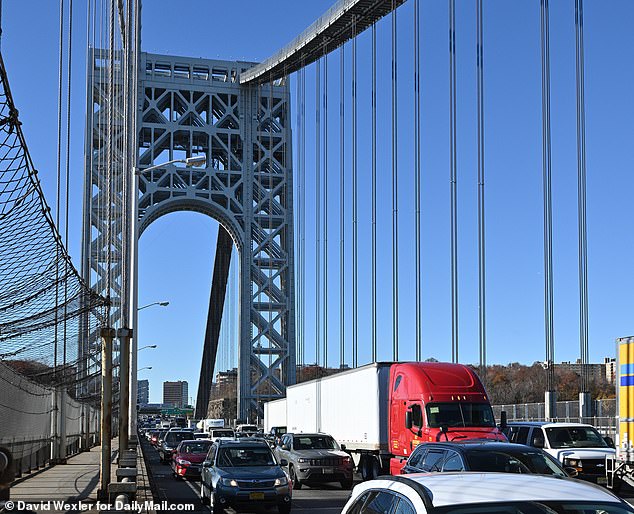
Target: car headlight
x: 230, y: 482
x: 184, y: 462
x: 346, y: 460
x: 281, y: 481
x: 572, y: 462
x: 168, y: 448
x: 302, y: 461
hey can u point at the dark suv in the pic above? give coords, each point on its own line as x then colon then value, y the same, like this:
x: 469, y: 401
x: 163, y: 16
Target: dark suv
x: 483, y: 456
x: 243, y: 473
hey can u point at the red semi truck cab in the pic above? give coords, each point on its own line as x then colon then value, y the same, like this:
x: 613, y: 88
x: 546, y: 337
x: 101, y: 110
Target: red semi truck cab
x: 434, y: 401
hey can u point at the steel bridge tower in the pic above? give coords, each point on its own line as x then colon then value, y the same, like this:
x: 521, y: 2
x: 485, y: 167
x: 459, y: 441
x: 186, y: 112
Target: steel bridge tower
x: 185, y: 107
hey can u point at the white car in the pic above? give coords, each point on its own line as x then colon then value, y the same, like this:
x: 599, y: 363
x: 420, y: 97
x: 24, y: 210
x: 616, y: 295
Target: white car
x: 575, y: 445
x: 479, y: 493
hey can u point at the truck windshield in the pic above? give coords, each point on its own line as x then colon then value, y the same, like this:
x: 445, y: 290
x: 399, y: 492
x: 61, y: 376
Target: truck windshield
x: 463, y: 414
x: 575, y: 437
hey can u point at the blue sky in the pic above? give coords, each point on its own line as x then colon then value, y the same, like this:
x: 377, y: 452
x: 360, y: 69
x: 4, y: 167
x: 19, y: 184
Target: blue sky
x: 176, y: 252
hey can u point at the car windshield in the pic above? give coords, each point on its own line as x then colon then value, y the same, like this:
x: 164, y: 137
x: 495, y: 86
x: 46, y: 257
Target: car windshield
x: 538, y: 507
x: 463, y: 414
x: 575, y: 437
x: 314, y: 442
x: 244, y: 456
x: 509, y: 461
x: 195, y: 447
x: 177, y: 437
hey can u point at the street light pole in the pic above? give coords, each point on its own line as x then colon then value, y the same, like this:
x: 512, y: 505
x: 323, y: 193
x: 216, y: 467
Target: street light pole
x: 198, y: 160
x: 162, y: 304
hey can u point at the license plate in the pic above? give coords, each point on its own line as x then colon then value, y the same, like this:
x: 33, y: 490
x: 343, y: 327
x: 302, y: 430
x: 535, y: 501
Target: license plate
x: 602, y: 480
x: 328, y: 471
x: 256, y: 496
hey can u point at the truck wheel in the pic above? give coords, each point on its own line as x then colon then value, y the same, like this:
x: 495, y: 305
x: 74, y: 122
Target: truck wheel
x: 370, y: 467
x: 297, y: 484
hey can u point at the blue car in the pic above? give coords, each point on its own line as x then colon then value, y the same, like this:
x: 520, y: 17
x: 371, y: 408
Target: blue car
x: 243, y: 473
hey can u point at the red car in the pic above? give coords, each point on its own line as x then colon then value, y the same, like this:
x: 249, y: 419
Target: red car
x: 189, y: 456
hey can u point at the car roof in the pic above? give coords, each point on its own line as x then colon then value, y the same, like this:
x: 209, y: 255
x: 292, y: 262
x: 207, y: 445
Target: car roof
x: 307, y: 434
x: 443, y: 489
x: 247, y: 441
x: 547, y: 424
x: 482, y: 444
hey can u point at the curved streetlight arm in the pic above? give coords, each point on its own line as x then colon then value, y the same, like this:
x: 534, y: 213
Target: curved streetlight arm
x: 196, y: 160
x: 162, y: 304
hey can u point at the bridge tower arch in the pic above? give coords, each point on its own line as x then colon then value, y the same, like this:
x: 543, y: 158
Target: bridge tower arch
x: 185, y: 107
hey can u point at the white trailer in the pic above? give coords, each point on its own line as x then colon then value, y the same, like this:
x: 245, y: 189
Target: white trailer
x: 274, y: 414
x: 351, y: 406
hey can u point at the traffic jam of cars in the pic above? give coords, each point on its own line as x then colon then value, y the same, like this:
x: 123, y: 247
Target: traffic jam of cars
x: 432, y: 447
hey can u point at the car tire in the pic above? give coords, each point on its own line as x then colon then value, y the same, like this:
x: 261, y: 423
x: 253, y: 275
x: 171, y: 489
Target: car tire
x: 297, y: 483
x: 284, y: 508
x: 204, y: 499
x: 346, y: 485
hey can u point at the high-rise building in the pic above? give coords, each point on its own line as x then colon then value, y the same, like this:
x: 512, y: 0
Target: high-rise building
x: 176, y: 393
x: 143, y: 391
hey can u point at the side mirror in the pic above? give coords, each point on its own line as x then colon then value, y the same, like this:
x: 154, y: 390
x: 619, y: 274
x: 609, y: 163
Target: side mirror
x: 571, y: 472
x: 503, y: 422
x: 538, y: 442
x: 283, y: 463
x: 285, y: 447
x: 408, y: 420
x: 609, y: 441
x: 343, y: 447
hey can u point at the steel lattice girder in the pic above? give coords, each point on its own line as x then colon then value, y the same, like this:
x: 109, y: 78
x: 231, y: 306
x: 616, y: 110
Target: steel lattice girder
x: 190, y: 106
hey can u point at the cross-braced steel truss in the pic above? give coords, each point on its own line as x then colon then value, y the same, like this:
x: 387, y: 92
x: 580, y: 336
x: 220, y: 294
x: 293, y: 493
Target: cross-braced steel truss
x: 194, y: 106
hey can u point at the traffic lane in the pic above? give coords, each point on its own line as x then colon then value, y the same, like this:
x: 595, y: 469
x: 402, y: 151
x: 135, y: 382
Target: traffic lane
x: 323, y: 498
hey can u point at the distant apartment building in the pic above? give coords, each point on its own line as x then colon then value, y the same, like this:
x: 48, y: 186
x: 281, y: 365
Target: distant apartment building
x: 596, y: 372
x: 176, y: 393
x: 143, y: 391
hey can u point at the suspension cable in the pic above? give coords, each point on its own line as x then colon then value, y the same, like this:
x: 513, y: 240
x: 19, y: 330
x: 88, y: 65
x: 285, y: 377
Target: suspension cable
x: 417, y: 230
x: 394, y: 189
x: 317, y: 212
x: 373, y: 278
x: 325, y: 228
x: 59, y: 169
x: 581, y: 191
x: 546, y: 178
x: 303, y: 213
x: 342, y: 225
x: 481, y: 225
x: 355, y: 233
x: 298, y: 223
x: 453, y: 182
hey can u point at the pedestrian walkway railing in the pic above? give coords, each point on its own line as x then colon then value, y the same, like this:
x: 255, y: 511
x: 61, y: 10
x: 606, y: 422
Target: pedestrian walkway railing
x: 40, y: 424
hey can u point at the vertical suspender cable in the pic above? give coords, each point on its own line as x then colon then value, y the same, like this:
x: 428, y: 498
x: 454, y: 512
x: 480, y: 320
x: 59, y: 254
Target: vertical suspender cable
x: 298, y: 209
x: 417, y: 256
x: 394, y: 190
x: 271, y: 188
x: 325, y: 238
x: 303, y: 214
x: 317, y: 212
x: 60, y: 87
x: 546, y: 178
x: 355, y: 233
x: 373, y: 321
x: 581, y: 188
x: 453, y: 181
x: 342, y: 189
x: 67, y: 180
x: 481, y: 226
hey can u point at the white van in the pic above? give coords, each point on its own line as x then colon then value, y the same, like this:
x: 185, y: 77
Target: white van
x: 575, y: 445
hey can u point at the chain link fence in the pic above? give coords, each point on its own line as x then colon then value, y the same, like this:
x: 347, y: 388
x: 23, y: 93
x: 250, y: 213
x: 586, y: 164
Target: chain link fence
x: 603, y: 417
x: 31, y: 416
